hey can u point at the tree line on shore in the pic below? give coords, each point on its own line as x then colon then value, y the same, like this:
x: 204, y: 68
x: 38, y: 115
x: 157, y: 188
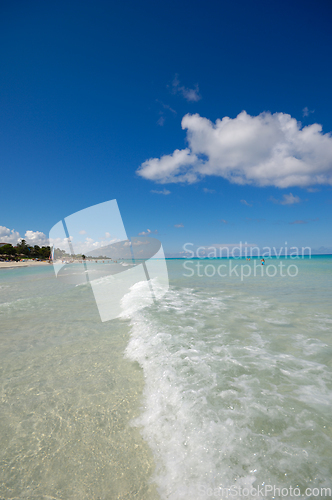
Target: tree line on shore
x: 24, y: 251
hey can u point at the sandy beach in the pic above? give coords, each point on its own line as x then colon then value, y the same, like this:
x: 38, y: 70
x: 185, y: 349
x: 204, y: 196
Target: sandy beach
x: 13, y: 264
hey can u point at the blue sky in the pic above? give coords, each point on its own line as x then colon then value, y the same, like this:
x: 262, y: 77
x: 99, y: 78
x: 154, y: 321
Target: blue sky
x: 91, y: 92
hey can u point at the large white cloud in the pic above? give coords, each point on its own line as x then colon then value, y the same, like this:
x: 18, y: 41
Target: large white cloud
x: 9, y: 235
x: 177, y: 167
x: 31, y: 237
x: 84, y: 245
x: 264, y: 150
x: 36, y: 238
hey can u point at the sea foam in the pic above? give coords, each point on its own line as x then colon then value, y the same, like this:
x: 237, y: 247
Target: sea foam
x: 224, y: 403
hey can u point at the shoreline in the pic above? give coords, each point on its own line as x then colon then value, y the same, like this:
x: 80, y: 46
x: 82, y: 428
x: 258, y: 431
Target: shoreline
x: 14, y: 265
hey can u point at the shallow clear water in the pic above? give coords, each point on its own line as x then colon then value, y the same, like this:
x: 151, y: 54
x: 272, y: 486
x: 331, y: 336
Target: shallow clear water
x: 223, y: 382
x: 67, y: 396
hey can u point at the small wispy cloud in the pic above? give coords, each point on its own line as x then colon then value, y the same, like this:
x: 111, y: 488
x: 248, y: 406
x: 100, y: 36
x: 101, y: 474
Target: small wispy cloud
x: 246, y: 203
x: 161, y: 121
x: 313, y: 190
x: 189, y: 94
x: 166, y: 106
x: 306, y: 111
x: 207, y: 190
x: 178, y: 225
x: 299, y: 222
x: 287, y: 199
x: 148, y: 232
x: 163, y: 191
x: 223, y: 221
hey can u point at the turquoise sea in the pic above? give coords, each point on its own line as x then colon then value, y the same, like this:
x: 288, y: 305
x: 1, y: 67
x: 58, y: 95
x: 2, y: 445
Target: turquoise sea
x: 222, y: 389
